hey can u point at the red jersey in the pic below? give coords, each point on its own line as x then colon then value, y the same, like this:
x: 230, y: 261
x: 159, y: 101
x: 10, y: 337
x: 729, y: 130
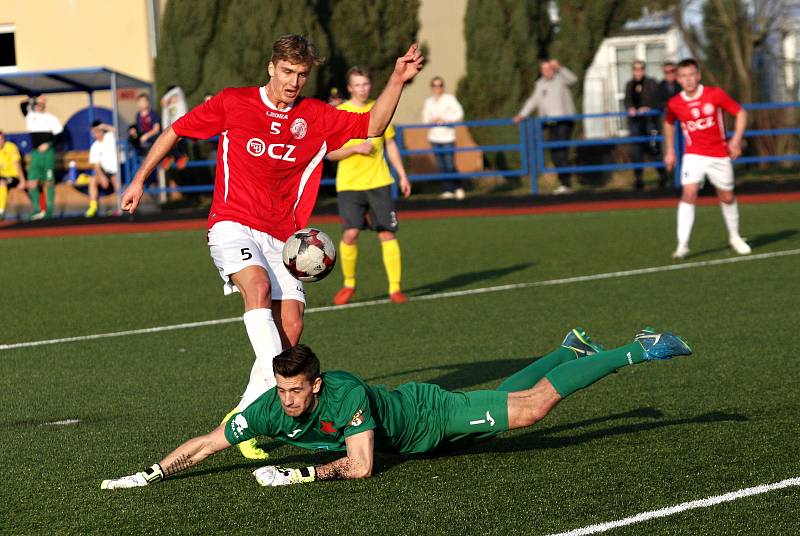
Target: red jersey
x: 268, y: 160
x: 701, y: 119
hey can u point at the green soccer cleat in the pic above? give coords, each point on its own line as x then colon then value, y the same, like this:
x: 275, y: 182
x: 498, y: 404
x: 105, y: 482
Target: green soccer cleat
x: 579, y: 342
x: 664, y: 345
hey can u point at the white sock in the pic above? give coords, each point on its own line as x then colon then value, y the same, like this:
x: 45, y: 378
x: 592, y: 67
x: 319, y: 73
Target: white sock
x: 266, y: 343
x: 730, y: 213
x: 685, y: 222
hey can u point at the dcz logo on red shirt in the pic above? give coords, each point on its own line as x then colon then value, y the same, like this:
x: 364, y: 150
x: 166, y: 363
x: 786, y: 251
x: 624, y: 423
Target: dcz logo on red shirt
x: 278, y: 151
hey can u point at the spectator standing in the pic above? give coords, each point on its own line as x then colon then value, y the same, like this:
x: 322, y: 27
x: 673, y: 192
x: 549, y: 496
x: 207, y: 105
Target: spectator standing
x: 11, y: 171
x: 148, y: 124
x: 103, y: 156
x: 441, y: 108
x: 642, y: 96
x: 43, y: 127
x: 364, y: 186
x: 669, y: 86
x: 552, y: 98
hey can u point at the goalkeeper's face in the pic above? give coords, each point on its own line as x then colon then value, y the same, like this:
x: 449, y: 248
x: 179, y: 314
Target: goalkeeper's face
x: 298, y: 394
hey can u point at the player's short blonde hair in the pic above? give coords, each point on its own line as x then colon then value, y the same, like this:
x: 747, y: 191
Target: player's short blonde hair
x: 297, y: 50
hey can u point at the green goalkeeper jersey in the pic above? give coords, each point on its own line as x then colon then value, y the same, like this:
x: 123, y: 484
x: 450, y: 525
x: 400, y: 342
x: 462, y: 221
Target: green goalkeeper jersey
x: 409, y: 419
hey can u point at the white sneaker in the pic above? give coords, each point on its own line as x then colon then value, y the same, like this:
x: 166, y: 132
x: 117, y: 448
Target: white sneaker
x: 38, y: 216
x: 561, y: 190
x: 447, y: 195
x: 680, y: 252
x: 459, y: 193
x: 739, y: 245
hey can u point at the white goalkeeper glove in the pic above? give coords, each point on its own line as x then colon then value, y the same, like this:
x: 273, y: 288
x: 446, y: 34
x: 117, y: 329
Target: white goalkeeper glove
x: 142, y: 478
x: 272, y: 475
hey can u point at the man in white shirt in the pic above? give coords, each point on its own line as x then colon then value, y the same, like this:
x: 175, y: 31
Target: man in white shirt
x: 43, y: 127
x: 441, y: 108
x: 103, y: 156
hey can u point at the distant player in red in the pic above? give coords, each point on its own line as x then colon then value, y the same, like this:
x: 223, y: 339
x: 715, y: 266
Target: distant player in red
x: 272, y: 142
x: 699, y: 109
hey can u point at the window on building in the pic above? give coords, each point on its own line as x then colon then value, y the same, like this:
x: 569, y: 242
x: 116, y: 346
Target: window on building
x: 655, y: 55
x: 8, y: 49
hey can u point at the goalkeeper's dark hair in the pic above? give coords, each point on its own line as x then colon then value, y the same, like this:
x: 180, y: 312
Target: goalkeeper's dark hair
x: 689, y: 62
x: 297, y: 360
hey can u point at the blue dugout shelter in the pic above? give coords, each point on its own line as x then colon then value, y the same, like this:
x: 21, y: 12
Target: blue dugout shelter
x: 86, y: 80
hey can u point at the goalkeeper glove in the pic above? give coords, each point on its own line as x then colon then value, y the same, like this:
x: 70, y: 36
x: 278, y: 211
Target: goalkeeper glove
x: 142, y: 478
x: 272, y: 475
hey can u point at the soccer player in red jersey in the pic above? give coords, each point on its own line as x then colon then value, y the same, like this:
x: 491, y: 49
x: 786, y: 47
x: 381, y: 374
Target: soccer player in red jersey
x: 272, y: 142
x: 699, y: 109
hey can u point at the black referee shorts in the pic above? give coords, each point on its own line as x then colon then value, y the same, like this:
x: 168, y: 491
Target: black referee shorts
x: 368, y: 209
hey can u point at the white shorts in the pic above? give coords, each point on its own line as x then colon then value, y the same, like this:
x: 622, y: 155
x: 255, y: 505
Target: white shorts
x: 695, y: 167
x: 235, y: 246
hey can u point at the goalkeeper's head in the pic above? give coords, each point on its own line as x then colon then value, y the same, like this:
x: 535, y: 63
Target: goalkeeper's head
x: 298, y: 378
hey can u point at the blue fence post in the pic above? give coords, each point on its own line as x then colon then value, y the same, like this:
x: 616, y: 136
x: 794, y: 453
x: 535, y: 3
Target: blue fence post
x: 538, y: 137
x: 523, y: 147
x: 533, y: 161
x: 678, y: 144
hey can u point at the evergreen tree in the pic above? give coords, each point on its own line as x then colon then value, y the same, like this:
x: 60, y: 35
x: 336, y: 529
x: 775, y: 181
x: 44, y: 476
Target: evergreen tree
x: 187, y: 30
x: 209, y: 45
x: 505, y: 39
x: 371, y: 34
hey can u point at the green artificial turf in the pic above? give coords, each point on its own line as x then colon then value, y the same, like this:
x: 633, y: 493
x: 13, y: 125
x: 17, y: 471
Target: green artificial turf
x: 651, y: 436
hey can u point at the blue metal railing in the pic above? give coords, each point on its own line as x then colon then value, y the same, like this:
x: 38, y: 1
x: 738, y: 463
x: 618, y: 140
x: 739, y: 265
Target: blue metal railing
x: 531, y: 148
x: 541, y: 144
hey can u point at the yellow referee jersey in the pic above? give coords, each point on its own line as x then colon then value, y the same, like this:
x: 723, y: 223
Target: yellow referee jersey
x: 9, y: 157
x: 364, y: 172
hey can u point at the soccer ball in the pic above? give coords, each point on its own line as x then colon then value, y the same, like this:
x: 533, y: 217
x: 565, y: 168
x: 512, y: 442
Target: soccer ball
x: 309, y: 255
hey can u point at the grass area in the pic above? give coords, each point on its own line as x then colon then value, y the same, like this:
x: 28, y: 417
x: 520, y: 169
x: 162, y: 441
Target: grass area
x: 648, y: 437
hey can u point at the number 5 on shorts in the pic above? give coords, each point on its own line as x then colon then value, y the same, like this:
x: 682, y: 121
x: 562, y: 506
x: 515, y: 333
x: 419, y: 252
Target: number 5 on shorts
x: 246, y: 255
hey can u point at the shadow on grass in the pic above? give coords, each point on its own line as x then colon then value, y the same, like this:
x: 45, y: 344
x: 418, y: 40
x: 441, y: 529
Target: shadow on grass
x: 755, y: 242
x: 461, y: 280
x: 553, y: 437
x: 462, y: 375
x: 546, y: 438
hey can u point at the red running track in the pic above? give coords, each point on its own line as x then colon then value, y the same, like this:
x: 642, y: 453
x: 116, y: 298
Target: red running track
x: 585, y: 206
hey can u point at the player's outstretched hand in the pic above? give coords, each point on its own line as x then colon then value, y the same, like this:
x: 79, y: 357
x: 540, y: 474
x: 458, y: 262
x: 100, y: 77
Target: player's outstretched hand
x: 131, y: 196
x: 272, y: 475
x: 407, y: 66
x: 142, y: 478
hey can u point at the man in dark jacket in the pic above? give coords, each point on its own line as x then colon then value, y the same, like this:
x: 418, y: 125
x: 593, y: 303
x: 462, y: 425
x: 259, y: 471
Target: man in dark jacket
x: 641, y: 96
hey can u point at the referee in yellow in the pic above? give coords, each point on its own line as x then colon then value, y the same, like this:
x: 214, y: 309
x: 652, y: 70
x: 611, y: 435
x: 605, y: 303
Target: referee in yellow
x: 364, y: 193
x: 10, y: 171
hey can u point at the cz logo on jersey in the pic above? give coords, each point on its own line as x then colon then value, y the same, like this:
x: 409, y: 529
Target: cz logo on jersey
x: 277, y: 151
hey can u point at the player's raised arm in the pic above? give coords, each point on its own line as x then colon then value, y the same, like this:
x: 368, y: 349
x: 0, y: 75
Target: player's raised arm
x: 133, y: 193
x: 187, y: 455
x: 357, y: 464
x: 405, y: 68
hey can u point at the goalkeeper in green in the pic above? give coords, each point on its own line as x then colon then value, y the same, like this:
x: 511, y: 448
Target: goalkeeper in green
x: 337, y: 411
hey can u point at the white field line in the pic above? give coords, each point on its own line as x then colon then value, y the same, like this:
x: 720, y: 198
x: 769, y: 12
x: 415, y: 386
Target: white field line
x: 678, y: 508
x: 437, y: 296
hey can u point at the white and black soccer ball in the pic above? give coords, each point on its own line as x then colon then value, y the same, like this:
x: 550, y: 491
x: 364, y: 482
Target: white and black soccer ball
x: 309, y: 255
